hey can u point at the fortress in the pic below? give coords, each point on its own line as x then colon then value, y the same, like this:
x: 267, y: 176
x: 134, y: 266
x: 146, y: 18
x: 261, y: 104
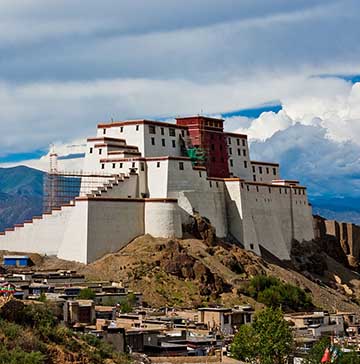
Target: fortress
x: 152, y: 177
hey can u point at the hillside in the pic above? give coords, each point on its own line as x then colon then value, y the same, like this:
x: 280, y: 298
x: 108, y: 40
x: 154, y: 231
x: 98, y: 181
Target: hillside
x: 20, y: 195
x: 190, y: 272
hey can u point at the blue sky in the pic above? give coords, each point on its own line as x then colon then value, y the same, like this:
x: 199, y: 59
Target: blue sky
x: 284, y: 72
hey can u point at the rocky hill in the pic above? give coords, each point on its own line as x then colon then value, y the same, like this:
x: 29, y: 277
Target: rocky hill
x: 195, y: 272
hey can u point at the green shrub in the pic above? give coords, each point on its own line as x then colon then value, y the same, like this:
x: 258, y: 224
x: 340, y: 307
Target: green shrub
x: 86, y: 294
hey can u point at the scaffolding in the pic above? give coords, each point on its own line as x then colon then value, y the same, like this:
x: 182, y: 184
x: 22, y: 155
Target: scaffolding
x: 60, y: 187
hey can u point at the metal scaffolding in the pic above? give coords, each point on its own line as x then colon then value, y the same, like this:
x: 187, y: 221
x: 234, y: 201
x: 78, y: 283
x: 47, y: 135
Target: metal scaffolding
x: 60, y: 187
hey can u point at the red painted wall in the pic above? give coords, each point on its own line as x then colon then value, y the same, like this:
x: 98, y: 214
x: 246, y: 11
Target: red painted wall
x: 208, y: 134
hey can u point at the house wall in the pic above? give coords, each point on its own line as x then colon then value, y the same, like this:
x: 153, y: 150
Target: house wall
x: 264, y: 172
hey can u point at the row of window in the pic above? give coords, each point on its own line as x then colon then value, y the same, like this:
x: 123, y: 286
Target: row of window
x: 238, y: 152
x: 172, y: 131
x: 163, y: 142
x: 266, y: 168
x: 296, y: 191
x: 243, y: 141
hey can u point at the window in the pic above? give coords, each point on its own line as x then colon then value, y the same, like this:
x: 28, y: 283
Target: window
x: 257, y: 188
x: 217, y: 184
x: 260, y: 170
x: 133, y: 165
x: 172, y: 132
x: 229, y: 140
x: 183, y: 133
x: 230, y: 151
x: 253, y: 168
x: 245, y: 164
x: 121, y: 129
x: 244, y: 152
x: 210, y: 184
x: 173, y: 143
x: 158, y: 164
x: 243, y: 142
x: 137, y: 127
x: 238, y: 141
x: 103, y: 166
x: 269, y: 190
x: 152, y: 129
x: 181, y: 166
x: 121, y: 165
x: 213, y: 159
x: 91, y: 150
x: 280, y: 190
x: 239, y: 152
x: 274, y: 171
x: 242, y: 185
x: 254, y: 178
x: 113, y: 165
x: 162, y: 131
x: 199, y: 174
x: 212, y: 147
x: 252, y: 246
x: 163, y: 142
x: 226, y: 319
x: 104, y: 131
x: 267, y: 170
x: 247, y: 187
x: 100, y: 151
x: 142, y: 166
x: 231, y: 163
x: 152, y: 141
x: 285, y: 191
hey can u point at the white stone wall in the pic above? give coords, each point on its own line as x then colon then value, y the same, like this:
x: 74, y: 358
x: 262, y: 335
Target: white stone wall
x: 162, y: 219
x: 195, y: 193
x: 112, y: 224
x: 157, y: 178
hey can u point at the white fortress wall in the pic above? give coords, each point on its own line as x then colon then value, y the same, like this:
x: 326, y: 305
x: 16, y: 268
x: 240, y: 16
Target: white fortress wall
x: 196, y: 193
x: 43, y: 235
x: 162, y: 218
x: 113, y: 223
x: 74, y: 244
x: 157, y: 177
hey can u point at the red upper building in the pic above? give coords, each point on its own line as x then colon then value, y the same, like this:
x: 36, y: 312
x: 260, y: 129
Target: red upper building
x: 208, y: 134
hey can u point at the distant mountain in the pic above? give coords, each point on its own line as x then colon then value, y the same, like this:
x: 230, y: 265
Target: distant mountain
x: 345, y: 209
x: 21, y: 191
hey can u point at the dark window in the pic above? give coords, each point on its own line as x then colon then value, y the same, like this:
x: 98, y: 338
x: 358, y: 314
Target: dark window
x: 244, y: 152
x: 238, y: 141
x: 229, y: 139
x: 104, y: 131
x: 103, y: 166
x: 142, y: 166
x: 163, y: 142
x: 217, y: 184
x: 231, y: 163
x: 162, y: 131
x: 247, y: 187
x: 113, y: 165
x: 269, y: 190
x: 239, y: 152
x: 245, y: 164
x: 100, y: 151
x: 173, y: 143
x: 181, y: 166
x: 121, y: 165
x: 158, y: 164
x: 285, y: 191
x: 210, y: 183
x: 242, y: 185
x: 199, y: 174
x: 137, y: 127
x: 121, y: 129
x: 212, y: 147
x: 253, y: 168
x: 182, y: 132
x: 254, y: 178
x: 252, y: 246
x: 257, y: 188
x: 274, y: 171
x: 153, y: 141
x: 243, y: 142
x: 280, y: 190
x: 230, y: 151
x: 267, y: 170
x: 172, y: 132
x: 152, y: 129
x: 91, y: 150
x: 133, y: 165
x: 226, y: 319
x: 260, y: 170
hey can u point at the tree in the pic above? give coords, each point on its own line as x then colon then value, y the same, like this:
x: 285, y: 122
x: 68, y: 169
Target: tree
x: 317, y: 351
x: 268, y: 340
x: 86, y: 294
